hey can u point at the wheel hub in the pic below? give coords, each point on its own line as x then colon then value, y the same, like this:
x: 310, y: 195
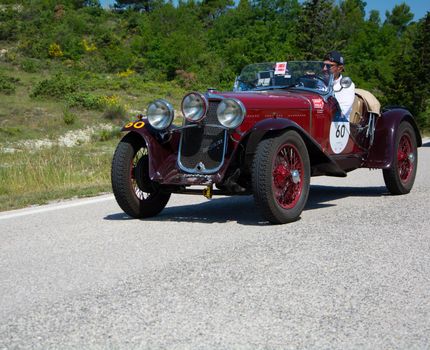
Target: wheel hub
x: 295, y: 176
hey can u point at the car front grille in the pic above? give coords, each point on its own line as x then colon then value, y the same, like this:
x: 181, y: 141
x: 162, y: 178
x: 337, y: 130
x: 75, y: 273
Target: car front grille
x: 202, y: 148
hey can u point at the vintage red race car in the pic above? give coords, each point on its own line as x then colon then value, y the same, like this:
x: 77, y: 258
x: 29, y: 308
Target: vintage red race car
x: 279, y: 126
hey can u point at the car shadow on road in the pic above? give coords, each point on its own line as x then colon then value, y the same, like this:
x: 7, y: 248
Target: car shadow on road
x: 242, y: 209
x: 320, y: 195
x: 222, y: 209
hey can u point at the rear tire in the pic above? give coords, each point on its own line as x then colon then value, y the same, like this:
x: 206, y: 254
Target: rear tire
x: 134, y: 191
x: 281, y: 177
x: 400, y: 177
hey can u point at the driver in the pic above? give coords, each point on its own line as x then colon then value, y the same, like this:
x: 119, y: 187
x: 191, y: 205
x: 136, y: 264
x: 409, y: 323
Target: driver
x: 334, y: 63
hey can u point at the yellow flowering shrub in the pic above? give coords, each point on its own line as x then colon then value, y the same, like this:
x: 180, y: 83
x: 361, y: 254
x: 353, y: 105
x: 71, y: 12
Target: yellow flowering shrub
x: 55, y: 50
x: 114, y: 109
x: 88, y: 47
x: 126, y: 74
x: 110, y: 101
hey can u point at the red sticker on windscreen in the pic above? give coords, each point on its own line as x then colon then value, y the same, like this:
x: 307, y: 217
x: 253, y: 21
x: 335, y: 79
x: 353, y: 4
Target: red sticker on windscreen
x: 281, y: 68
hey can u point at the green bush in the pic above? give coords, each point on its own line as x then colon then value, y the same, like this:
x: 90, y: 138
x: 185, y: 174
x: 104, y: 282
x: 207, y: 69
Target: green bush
x: 115, y: 112
x: 106, y: 135
x: 118, y: 58
x: 85, y: 100
x: 10, y: 131
x: 8, y: 84
x: 93, y: 63
x: 6, y: 87
x: 69, y: 118
x: 30, y: 65
x: 8, y: 24
x: 34, y: 48
x: 56, y: 87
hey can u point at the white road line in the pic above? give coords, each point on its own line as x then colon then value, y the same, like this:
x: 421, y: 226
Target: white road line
x: 51, y: 207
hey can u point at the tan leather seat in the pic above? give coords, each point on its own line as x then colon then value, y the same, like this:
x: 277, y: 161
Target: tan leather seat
x: 364, y: 102
x: 357, y: 110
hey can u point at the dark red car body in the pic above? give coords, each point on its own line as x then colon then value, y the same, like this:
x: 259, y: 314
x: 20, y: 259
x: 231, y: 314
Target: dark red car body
x: 279, y: 110
x: 390, y: 146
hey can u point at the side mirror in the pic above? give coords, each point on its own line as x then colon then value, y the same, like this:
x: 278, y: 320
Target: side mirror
x: 345, y: 82
x: 236, y: 86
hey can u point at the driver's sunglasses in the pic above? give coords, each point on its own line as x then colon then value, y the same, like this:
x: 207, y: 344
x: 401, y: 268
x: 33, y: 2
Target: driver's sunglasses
x: 328, y: 66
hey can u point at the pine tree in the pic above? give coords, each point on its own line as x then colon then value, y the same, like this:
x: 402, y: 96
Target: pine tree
x: 316, y: 29
x: 138, y: 5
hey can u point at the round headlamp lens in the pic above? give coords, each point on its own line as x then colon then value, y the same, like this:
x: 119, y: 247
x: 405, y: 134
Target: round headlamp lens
x: 160, y: 114
x: 194, y: 107
x: 231, y: 113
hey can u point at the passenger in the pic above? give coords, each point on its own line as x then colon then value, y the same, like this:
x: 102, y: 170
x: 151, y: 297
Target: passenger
x: 334, y: 62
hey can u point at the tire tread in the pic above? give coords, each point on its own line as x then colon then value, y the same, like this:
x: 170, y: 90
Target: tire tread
x: 122, y: 189
x: 262, y: 179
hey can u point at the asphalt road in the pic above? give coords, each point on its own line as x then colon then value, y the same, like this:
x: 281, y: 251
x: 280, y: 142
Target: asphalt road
x: 354, y: 272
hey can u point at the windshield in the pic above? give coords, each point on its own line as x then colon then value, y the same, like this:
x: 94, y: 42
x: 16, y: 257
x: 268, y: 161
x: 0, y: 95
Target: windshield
x: 308, y: 75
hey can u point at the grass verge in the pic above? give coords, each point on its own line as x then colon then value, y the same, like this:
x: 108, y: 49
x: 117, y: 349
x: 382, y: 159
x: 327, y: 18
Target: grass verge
x: 40, y: 176
x: 29, y: 176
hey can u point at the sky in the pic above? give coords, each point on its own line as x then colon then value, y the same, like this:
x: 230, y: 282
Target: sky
x: 418, y: 7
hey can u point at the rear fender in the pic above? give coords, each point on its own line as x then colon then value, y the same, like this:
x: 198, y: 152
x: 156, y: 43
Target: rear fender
x: 160, y: 146
x: 381, y: 154
x: 321, y: 163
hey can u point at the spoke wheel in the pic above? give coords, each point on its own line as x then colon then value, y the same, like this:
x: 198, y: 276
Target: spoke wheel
x: 288, y: 176
x: 134, y: 191
x: 400, y: 177
x: 281, y: 177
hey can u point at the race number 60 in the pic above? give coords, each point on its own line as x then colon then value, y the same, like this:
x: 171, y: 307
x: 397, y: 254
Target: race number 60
x: 339, y: 136
x: 340, y: 131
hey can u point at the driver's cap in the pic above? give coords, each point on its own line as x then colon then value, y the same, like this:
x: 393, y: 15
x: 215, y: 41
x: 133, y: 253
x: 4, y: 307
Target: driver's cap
x: 335, y: 56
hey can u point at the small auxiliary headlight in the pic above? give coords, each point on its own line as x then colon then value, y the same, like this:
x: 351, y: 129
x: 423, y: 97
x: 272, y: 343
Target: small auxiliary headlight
x: 231, y: 113
x: 160, y: 114
x: 194, y: 107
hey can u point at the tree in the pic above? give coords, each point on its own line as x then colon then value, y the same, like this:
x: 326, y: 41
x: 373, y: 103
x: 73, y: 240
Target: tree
x: 399, y: 17
x: 363, y: 44
x: 411, y: 86
x: 85, y: 3
x: 421, y: 66
x: 375, y: 18
x: 210, y: 10
x: 349, y: 17
x: 317, y: 28
x: 138, y: 5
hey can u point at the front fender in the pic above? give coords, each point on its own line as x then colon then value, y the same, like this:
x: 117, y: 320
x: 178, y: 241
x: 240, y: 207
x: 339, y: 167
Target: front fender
x: 162, y: 147
x: 381, y: 154
x: 260, y: 129
x: 321, y: 162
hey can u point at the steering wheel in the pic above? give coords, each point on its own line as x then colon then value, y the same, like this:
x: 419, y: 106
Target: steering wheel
x: 310, y: 79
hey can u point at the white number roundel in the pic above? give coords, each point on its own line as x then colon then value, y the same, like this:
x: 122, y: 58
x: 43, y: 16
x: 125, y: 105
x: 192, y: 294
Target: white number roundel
x: 339, y: 135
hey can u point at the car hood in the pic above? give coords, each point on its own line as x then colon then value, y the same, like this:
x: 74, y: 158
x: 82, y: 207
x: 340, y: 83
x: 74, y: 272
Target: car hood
x: 272, y: 98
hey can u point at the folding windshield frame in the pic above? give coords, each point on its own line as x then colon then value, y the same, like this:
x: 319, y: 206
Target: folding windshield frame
x: 269, y: 67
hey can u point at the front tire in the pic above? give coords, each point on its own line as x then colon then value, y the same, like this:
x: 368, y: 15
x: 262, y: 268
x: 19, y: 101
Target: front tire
x: 400, y: 177
x: 281, y: 177
x: 134, y: 191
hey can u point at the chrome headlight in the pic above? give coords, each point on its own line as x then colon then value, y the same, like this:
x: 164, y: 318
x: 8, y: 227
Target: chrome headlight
x: 160, y: 114
x: 231, y: 112
x: 194, y: 107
